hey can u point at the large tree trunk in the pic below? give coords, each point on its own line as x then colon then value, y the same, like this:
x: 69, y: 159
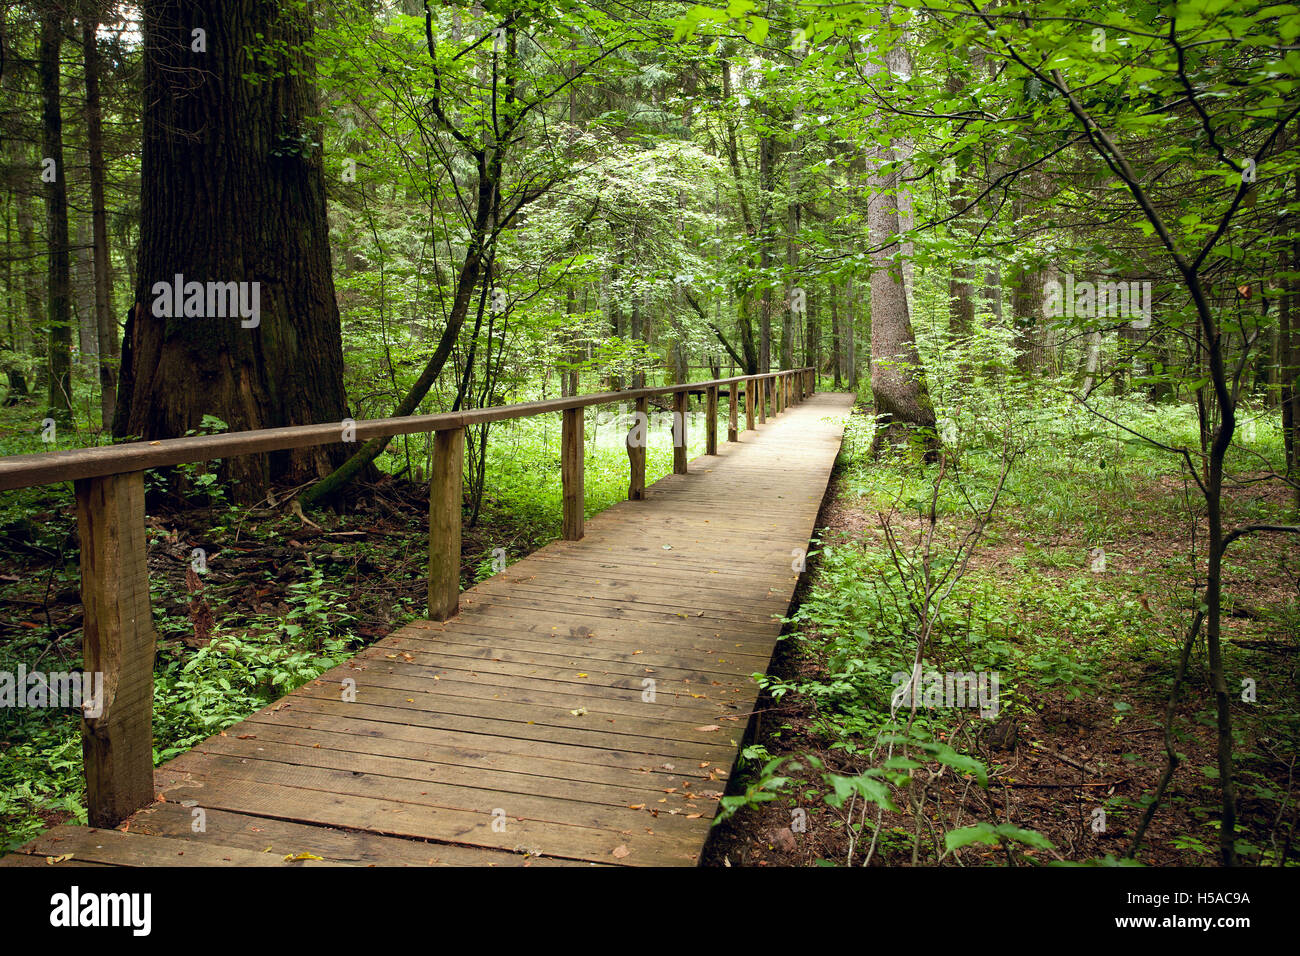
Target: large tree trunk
x: 232, y: 192
x: 897, y: 377
x: 59, y: 302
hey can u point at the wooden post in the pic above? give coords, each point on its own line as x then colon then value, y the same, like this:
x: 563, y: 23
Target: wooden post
x: 118, y: 643
x: 571, y: 472
x: 679, y: 433
x: 445, y: 493
x: 711, y: 421
x: 762, y: 400
x: 750, y: 386
x: 778, y: 403
x: 733, y: 414
x: 637, y: 437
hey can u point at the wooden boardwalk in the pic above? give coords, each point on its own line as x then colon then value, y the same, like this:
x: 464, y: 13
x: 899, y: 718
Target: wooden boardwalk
x: 585, y: 706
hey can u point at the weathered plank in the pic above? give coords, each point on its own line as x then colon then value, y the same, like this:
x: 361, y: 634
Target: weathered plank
x: 118, y: 647
x: 446, y: 487
x: 571, y: 474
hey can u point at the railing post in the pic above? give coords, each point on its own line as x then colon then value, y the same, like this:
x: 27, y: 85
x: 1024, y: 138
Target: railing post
x: 571, y: 472
x: 679, y: 433
x: 118, y: 643
x: 637, y: 437
x: 711, y: 421
x: 750, y: 385
x: 778, y: 398
x: 762, y: 400
x: 733, y: 414
x: 445, y: 493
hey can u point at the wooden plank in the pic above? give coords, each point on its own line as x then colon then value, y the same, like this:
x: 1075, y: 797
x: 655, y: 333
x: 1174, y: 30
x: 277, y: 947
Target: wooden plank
x: 446, y: 488
x: 45, y: 468
x: 352, y: 847
x: 476, y: 743
x: 377, y: 815
x: 118, y: 647
x: 679, y: 433
x: 637, y: 437
x: 134, y: 849
x: 20, y: 859
x: 733, y: 414
x: 711, y: 421
x: 327, y: 732
x: 571, y: 470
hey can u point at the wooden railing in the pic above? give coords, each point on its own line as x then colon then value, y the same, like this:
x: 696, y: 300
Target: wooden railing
x: 118, y: 635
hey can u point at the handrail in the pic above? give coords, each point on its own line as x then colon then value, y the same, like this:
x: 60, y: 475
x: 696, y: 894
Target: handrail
x: 43, y: 468
x: 118, y: 639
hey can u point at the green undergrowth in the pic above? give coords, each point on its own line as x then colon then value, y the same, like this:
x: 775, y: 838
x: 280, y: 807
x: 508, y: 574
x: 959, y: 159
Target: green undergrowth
x: 1077, y: 584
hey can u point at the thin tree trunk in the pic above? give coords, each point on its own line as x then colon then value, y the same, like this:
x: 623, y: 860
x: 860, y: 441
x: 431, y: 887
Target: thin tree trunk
x: 59, y: 303
x: 105, y: 324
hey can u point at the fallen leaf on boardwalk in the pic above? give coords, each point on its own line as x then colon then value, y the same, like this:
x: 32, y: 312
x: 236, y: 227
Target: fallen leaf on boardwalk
x: 51, y: 860
x: 693, y: 816
x: 708, y: 728
x: 408, y: 657
x: 621, y: 851
x: 580, y: 712
x: 297, y: 857
x: 581, y: 674
x: 705, y: 764
x: 636, y: 806
x: 247, y: 737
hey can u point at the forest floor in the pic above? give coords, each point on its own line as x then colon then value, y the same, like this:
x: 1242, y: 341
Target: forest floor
x: 1081, y: 729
